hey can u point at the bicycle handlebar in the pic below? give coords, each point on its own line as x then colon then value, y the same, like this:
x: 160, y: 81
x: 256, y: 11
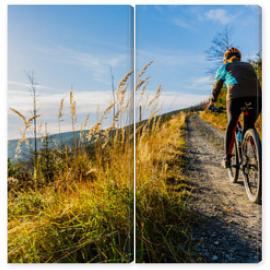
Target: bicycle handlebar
x: 213, y: 108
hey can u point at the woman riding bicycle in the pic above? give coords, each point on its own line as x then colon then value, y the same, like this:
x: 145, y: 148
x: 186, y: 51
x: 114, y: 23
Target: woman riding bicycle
x: 243, y: 91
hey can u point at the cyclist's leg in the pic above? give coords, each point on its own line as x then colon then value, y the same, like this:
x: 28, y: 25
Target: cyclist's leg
x: 255, y: 109
x: 233, y: 113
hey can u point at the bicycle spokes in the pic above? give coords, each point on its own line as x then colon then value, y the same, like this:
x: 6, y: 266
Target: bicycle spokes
x: 250, y: 166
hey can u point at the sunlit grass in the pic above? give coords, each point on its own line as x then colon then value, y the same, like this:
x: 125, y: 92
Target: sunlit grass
x: 83, y: 212
x: 163, y: 219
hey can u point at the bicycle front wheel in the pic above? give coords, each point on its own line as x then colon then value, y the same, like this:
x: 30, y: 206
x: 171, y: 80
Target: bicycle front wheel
x: 252, y: 165
x: 233, y: 171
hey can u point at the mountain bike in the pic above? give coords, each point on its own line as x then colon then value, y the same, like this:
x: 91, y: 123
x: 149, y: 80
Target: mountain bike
x: 247, y: 158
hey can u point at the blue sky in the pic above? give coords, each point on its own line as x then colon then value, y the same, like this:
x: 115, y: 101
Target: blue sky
x: 66, y: 46
x: 76, y: 45
x: 176, y: 38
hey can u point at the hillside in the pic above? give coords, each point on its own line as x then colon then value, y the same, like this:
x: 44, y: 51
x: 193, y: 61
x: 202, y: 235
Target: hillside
x: 65, y: 138
x: 89, y: 218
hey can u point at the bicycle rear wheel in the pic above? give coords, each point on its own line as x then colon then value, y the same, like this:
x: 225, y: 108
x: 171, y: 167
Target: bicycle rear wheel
x: 252, y: 165
x: 233, y: 171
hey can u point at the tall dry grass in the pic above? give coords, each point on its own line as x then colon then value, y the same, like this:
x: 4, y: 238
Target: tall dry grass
x: 84, y: 212
x: 162, y: 190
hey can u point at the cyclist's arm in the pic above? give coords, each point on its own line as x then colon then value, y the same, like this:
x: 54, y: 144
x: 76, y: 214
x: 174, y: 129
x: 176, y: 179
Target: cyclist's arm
x: 219, y: 80
x: 216, y: 89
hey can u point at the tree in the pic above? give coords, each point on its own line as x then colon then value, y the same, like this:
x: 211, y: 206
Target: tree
x: 257, y: 64
x: 47, y: 158
x: 220, y: 43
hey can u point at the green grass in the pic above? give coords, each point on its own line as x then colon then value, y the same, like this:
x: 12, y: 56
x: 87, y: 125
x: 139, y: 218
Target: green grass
x: 88, y: 224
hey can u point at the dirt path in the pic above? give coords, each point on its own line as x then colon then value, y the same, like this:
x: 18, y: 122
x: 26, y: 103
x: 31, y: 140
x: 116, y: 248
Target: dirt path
x: 229, y: 226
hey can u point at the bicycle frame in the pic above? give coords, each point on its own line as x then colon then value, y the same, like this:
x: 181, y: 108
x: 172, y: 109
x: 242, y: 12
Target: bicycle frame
x: 245, y: 135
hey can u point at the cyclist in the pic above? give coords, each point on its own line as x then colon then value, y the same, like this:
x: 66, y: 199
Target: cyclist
x: 243, y: 90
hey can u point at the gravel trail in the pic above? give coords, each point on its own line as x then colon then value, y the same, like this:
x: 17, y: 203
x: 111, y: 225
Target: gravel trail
x: 229, y: 226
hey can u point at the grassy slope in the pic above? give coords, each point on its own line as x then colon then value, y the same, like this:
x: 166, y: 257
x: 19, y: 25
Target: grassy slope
x: 76, y: 204
x: 84, y: 215
x: 90, y: 221
x: 75, y: 226
x: 162, y: 216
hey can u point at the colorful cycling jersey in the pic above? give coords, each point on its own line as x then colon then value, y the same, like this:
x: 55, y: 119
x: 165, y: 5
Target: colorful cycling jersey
x: 240, y: 79
x: 223, y: 74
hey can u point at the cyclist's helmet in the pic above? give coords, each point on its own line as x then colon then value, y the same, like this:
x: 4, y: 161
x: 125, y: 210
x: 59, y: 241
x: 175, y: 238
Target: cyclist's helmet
x: 232, y: 53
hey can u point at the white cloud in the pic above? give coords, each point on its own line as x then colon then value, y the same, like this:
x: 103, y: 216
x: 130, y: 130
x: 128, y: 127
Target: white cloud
x: 203, y: 81
x: 183, y: 24
x: 219, y: 15
x: 97, y: 64
x: 255, y: 8
x: 27, y: 85
x: 88, y: 102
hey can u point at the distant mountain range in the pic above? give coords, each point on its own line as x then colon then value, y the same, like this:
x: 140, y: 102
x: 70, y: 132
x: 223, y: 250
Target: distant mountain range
x: 65, y: 138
